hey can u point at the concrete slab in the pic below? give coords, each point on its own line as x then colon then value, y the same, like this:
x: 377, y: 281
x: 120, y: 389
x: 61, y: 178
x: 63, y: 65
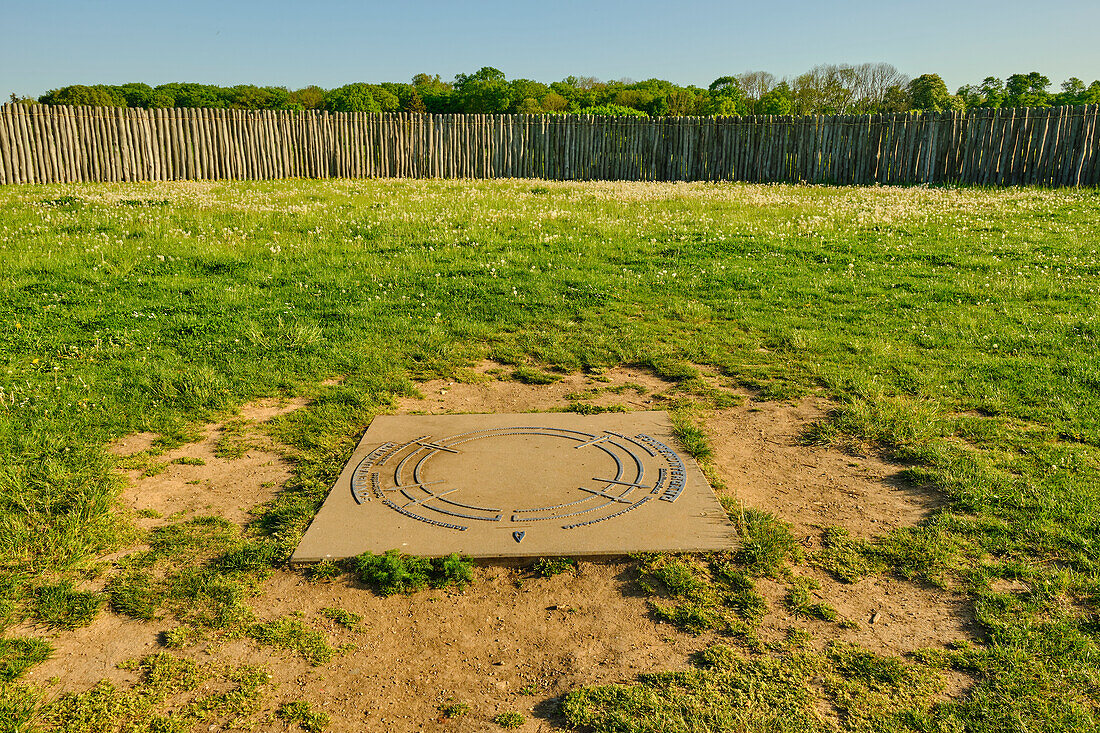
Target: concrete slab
x: 525, y: 485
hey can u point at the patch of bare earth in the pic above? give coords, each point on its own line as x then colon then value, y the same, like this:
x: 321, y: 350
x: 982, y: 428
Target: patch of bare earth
x: 513, y: 641
x: 196, y: 481
x: 891, y: 617
x: 758, y: 452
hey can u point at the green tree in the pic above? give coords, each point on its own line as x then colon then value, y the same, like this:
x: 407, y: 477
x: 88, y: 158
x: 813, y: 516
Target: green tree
x: 438, y: 95
x: 386, y: 99
x: 638, y: 99
x: 554, y: 102
x: 98, y: 95
x: 896, y: 98
x: 351, y: 98
x: 311, y: 97
x: 1074, y: 91
x: 525, y: 89
x: 824, y: 89
x: 680, y: 102
x: 191, y: 95
x: 929, y: 92
x: 1027, y: 90
x: 775, y: 101
x: 579, y: 93
x: 486, y: 91
x: 249, y: 96
x: 139, y: 95
x: 612, y: 110
x: 415, y: 103
x: 529, y: 106
x: 724, y: 97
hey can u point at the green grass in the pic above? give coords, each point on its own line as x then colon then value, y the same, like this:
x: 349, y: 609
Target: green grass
x: 299, y: 712
x: 729, y: 691
x: 799, y: 601
x: 510, y: 719
x: 702, y: 593
x: 138, y: 708
x: 61, y: 606
x: 548, y: 567
x: 452, y: 710
x: 766, y: 542
x: 393, y: 572
x: 955, y: 331
x: 19, y: 654
x: 528, y: 375
x: 347, y: 619
x: 293, y: 634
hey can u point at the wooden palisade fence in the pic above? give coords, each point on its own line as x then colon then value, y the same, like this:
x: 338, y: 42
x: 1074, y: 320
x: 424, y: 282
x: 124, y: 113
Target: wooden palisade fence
x: 1057, y: 146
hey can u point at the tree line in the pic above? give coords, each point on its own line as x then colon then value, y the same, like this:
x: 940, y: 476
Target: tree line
x: 824, y: 89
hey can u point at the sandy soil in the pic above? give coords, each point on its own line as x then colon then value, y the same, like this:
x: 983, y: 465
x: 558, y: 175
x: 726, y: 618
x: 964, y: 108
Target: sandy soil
x: 208, y: 485
x: 513, y: 641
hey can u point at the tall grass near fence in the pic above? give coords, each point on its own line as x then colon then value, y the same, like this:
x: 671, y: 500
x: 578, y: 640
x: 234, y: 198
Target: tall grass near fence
x: 1057, y: 146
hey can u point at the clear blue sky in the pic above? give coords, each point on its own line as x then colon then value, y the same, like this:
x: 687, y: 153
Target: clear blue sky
x: 49, y: 44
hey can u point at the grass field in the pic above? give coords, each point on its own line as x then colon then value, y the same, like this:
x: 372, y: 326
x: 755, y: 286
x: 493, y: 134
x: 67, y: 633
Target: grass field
x: 956, y: 330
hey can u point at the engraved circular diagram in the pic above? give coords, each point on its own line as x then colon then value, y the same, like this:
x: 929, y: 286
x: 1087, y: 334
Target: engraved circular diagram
x: 519, y: 478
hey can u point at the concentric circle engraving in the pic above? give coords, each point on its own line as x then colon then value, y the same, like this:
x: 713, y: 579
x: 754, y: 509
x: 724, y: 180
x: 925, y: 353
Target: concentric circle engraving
x: 568, y: 479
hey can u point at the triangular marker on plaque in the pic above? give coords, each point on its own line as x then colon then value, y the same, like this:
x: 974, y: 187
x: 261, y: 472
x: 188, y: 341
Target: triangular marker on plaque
x: 518, y: 536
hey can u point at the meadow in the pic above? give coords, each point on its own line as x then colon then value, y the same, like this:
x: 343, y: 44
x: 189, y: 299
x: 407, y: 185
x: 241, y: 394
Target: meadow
x: 955, y: 331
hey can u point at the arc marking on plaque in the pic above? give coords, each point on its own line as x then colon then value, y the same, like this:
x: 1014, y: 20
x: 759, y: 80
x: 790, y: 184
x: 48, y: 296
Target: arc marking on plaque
x: 677, y: 475
x: 419, y: 485
x: 411, y: 458
x: 449, y: 513
x: 605, y: 495
x: 407, y: 513
x: 621, y: 483
x: 435, y: 446
x: 420, y: 500
x: 517, y: 518
x: 551, y: 508
x: 643, y: 446
x: 377, y: 456
x: 609, y: 516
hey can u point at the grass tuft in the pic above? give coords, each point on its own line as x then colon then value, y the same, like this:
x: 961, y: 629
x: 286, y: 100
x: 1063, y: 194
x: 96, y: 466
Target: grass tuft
x: 799, y: 603
x: 528, y: 375
x: 452, y: 710
x: 61, y: 606
x: 766, y: 542
x: 393, y: 572
x: 692, y: 437
x: 292, y: 634
x: 510, y: 719
x: 300, y: 712
x: 347, y: 619
x: 845, y: 558
x: 548, y: 567
x: 19, y: 654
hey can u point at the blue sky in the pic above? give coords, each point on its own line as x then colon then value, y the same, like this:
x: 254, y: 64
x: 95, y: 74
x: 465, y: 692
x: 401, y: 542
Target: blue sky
x: 52, y: 44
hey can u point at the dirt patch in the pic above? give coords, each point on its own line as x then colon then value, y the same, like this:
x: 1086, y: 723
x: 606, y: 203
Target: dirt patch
x: 228, y: 472
x: 887, y: 616
x: 490, y: 390
x: 509, y: 642
x: 84, y: 656
x: 204, y: 484
x: 513, y: 641
x: 758, y: 454
x: 271, y: 408
x: 130, y: 444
